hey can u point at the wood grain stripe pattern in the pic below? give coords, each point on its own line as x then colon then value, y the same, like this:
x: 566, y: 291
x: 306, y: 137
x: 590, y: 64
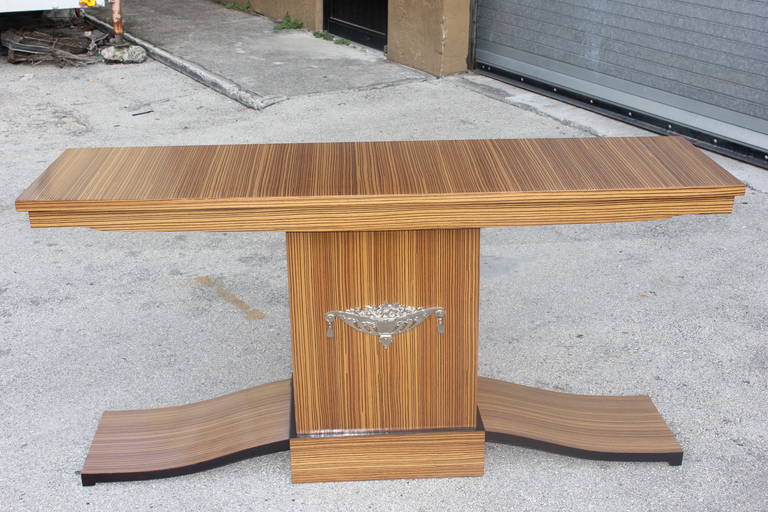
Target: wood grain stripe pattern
x: 347, y: 186
x: 350, y: 383
x: 598, y: 424
x: 151, y: 443
x: 414, y: 216
x: 383, y: 457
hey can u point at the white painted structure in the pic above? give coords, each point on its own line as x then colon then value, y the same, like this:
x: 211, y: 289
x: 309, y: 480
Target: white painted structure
x: 46, y: 5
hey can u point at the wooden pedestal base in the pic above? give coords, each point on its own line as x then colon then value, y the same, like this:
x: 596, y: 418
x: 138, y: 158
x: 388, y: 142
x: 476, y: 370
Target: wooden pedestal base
x: 387, y: 456
x: 157, y: 443
x: 594, y: 427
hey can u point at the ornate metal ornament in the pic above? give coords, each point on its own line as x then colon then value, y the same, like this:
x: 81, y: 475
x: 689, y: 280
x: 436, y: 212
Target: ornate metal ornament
x: 385, y: 320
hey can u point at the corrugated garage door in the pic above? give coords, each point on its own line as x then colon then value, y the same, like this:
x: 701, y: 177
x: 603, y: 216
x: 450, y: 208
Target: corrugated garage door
x: 697, y: 63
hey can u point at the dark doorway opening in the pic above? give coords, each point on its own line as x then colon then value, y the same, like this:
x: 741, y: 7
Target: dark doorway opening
x: 362, y: 22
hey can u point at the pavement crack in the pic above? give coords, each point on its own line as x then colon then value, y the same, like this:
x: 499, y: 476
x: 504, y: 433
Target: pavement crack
x: 387, y: 85
x: 565, y: 122
x: 499, y: 94
x: 495, y: 93
x: 362, y: 88
x: 752, y: 188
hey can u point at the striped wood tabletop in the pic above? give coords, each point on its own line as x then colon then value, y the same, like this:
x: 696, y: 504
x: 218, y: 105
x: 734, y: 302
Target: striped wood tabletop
x: 352, y: 186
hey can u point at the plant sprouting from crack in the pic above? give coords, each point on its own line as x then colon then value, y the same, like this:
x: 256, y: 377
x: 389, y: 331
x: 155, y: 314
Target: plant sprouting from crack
x: 289, y: 23
x: 322, y: 34
x: 237, y: 6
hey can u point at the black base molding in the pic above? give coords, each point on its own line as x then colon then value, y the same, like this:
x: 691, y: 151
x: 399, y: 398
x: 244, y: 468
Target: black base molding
x: 709, y: 141
x: 92, y: 479
x: 673, y: 458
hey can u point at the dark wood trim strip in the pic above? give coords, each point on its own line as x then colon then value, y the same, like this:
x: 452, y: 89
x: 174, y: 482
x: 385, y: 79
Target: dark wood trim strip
x: 673, y: 458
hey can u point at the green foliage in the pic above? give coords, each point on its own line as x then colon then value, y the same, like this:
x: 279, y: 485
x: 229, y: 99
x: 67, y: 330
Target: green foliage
x: 289, y: 24
x: 322, y: 34
x: 246, y: 7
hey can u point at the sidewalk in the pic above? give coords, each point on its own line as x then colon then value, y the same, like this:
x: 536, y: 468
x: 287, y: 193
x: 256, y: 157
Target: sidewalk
x: 245, y: 48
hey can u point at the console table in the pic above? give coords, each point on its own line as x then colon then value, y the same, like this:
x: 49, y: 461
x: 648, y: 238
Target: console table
x: 383, y: 246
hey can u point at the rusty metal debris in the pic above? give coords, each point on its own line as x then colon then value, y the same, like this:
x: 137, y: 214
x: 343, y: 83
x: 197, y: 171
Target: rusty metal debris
x: 117, y: 23
x: 72, y: 42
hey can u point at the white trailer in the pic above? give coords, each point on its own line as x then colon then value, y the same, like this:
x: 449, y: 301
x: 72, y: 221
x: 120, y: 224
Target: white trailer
x: 47, y: 5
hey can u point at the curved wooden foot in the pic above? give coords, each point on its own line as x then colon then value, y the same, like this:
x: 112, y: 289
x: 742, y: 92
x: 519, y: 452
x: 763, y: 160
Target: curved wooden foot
x: 156, y: 443
x: 598, y: 427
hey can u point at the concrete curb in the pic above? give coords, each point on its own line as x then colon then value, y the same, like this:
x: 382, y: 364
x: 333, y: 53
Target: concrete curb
x: 217, y: 82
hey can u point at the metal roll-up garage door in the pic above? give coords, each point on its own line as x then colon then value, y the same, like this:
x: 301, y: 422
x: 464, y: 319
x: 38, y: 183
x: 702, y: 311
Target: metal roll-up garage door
x: 694, y: 67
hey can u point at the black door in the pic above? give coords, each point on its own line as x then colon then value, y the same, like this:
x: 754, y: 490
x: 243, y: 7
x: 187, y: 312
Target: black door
x: 364, y: 22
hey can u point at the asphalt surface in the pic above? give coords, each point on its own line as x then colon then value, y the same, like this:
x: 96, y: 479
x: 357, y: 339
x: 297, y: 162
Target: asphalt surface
x: 94, y: 320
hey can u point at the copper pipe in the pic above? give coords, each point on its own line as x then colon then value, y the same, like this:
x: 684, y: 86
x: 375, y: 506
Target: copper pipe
x: 117, y: 21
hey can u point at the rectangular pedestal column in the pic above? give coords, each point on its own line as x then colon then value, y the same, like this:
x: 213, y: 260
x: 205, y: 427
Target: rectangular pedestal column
x: 356, y: 384
x: 424, y: 380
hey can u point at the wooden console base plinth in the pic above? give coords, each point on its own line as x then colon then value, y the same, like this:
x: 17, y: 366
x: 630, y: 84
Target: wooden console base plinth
x: 387, y: 456
x: 156, y: 443
x: 171, y: 441
x: 587, y: 426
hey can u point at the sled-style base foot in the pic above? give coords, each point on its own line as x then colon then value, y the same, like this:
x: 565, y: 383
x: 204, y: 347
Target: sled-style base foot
x: 595, y: 427
x: 157, y: 443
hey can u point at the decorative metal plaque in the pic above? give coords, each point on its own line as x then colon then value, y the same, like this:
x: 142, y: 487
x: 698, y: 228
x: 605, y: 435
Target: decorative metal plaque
x: 385, y: 320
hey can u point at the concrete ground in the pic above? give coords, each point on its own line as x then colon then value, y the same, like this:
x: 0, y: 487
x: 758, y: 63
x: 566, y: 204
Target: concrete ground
x: 245, y: 48
x: 90, y: 320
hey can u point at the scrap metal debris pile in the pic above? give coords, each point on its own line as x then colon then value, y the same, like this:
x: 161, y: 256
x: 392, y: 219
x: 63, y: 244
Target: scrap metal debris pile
x: 70, y: 41
x: 66, y: 45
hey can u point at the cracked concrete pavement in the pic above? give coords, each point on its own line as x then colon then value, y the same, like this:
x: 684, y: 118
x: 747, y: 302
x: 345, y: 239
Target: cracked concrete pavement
x: 95, y: 320
x: 243, y: 47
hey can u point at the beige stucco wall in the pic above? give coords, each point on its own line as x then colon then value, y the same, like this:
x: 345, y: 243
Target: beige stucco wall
x: 308, y: 11
x: 432, y: 35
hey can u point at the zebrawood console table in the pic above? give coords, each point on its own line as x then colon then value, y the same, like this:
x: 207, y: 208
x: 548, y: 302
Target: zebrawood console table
x: 383, y: 247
